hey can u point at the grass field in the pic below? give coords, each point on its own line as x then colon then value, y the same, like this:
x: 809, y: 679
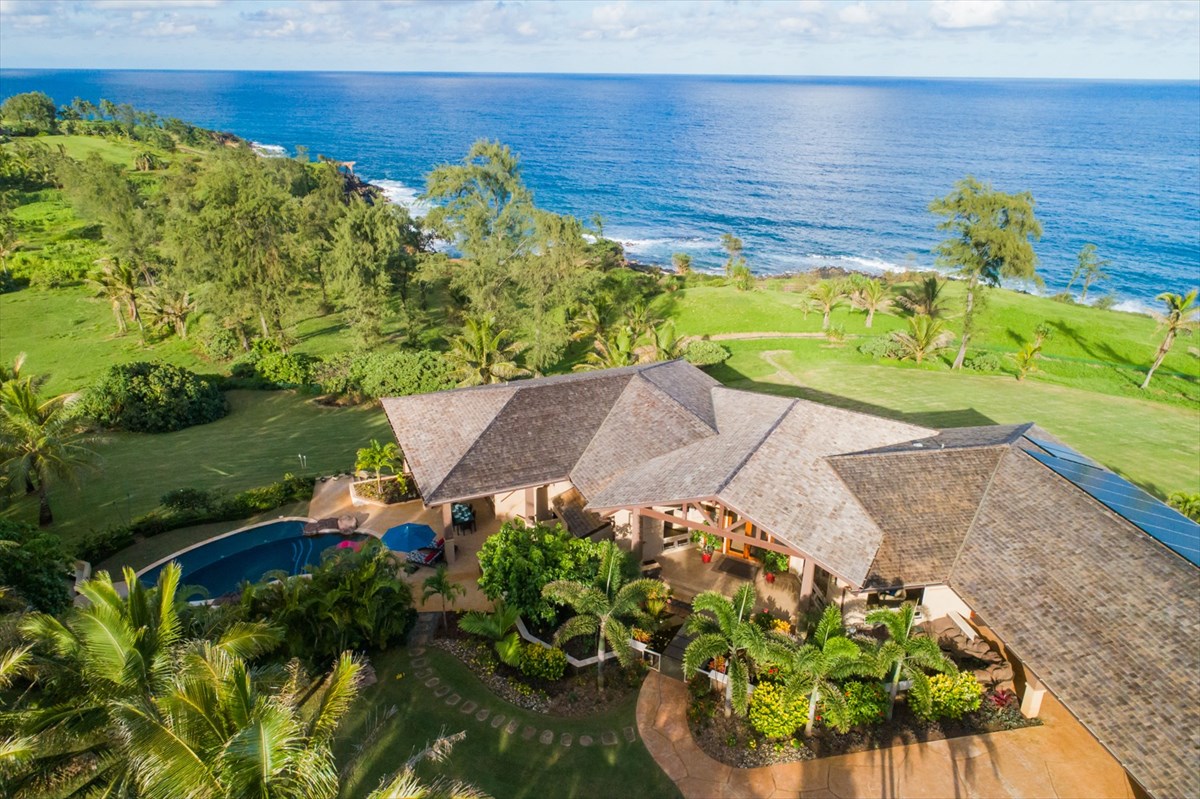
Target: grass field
x: 257, y: 443
x: 503, y: 765
x: 1152, y: 443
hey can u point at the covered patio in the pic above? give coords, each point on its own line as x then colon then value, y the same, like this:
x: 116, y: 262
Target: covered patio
x: 687, y: 575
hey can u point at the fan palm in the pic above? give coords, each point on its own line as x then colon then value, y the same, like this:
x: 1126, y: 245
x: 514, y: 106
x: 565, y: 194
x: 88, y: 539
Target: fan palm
x: 925, y: 298
x: 904, y: 654
x: 440, y: 584
x: 827, y: 656
x: 497, y: 627
x: 827, y: 294
x: 724, y: 629
x: 43, y: 440
x: 925, y: 338
x: 118, y: 283
x: 378, y: 458
x: 482, y: 356
x: 871, y: 296
x: 1181, y: 318
x: 602, y: 606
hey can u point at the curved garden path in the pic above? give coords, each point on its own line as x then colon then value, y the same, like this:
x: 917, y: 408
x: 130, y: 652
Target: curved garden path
x: 1057, y: 760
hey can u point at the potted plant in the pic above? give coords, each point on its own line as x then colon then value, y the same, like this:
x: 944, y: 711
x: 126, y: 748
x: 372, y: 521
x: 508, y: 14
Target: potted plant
x: 774, y: 563
x: 706, y: 543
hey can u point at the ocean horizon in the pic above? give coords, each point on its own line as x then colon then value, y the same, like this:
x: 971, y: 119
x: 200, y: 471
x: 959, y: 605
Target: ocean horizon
x: 811, y: 172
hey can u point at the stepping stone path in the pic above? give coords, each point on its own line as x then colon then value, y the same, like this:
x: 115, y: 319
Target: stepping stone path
x: 547, y: 737
x: 609, y: 738
x: 453, y: 700
x: 585, y: 740
x: 420, y: 662
x: 630, y: 734
x: 483, y: 714
x: 423, y: 673
x: 512, y: 727
x: 566, y: 739
x: 528, y: 732
x: 432, y: 681
x: 497, y: 720
x: 442, y: 691
x: 468, y: 707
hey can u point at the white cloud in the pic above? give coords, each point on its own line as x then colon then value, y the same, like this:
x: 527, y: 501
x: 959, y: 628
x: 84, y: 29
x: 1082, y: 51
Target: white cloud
x: 958, y: 14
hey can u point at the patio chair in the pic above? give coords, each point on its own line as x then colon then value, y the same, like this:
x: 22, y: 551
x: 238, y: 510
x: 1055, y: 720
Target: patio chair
x: 428, y: 556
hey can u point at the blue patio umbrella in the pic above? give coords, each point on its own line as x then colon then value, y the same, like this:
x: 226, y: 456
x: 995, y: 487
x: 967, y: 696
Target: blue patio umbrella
x: 409, y: 537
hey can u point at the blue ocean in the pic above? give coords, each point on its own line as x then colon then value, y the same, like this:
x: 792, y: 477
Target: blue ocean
x: 808, y: 171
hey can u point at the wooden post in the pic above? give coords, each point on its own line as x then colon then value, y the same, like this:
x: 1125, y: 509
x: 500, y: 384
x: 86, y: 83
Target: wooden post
x: 1031, y: 701
x: 806, y: 582
x: 448, y: 532
x: 531, y: 510
x: 635, y: 534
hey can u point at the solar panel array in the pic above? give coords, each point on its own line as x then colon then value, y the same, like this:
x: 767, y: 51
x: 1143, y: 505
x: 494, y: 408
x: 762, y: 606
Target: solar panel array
x: 1156, y: 519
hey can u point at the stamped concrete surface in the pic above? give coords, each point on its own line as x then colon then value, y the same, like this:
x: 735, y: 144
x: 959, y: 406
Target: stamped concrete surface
x: 1059, y: 760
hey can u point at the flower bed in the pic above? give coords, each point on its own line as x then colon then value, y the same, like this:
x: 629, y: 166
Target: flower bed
x: 736, y: 742
x: 389, y: 491
x: 573, y: 696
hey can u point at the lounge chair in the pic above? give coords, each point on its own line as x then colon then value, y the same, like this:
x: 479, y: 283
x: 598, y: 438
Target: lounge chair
x: 427, y: 556
x: 322, y: 526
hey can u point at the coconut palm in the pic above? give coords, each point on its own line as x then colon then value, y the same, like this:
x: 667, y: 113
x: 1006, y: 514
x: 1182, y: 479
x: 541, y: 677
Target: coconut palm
x: 905, y: 654
x: 1181, y: 318
x: 482, y: 356
x: 925, y: 298
x: 666, y: 344
x: 827, y: 656
x: 871, y: 296
x: 497, y: 627
x: 682, y: 263
x: 724, y: 629
x: 217, y: 731
x: 611, y: 351
x: 406, y: 783
x: 1026, y: 359
x: 924, y: 338
x: 378, y: 458
x: 42, y: 441
x: 119, y: 283
x: 602, y: 606
x: 169, y: 309
x: 641, y: 320
x: 593, y: 321
x: 9, y: 243
x: 439, y: 584
x: 15, y: 372
x: 827, y: 294
x: 1089, y: 269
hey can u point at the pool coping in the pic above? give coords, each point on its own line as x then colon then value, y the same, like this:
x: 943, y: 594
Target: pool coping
x: 207, y: 541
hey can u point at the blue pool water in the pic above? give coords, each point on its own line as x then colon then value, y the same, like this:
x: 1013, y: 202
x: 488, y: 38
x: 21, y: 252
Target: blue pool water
x: 809, y: 171
x: 222, y: 565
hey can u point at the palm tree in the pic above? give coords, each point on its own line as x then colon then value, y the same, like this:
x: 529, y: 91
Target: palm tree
x: 8, y: 241
x: 440, y: 584
x: 378, y: 458
x: 905, y: 654
x: 924, y: 338
x: 666, y: 344
x: 724, y: 629
x: 11, y: 373
x: 733, y: 246
x: 406, y: 783
x: 611, y: 351
x: 593, y: 322
x: 43, y: 440
x: 497, y: 627
x: 827, y: 294
x: 118, y: 283
x: 217, y: 731
x: 1026, y: 359
x: 925, y: 298
x: 871, y: 296
x: 827, y: 656
x: 170, y: 309
x: 361, y: 603
x: 641, y: 320
x: 601, y: 607
x: 682, y: 263
x: 482, y: 356
x: 1090, y: 269
x: 1181, y: 318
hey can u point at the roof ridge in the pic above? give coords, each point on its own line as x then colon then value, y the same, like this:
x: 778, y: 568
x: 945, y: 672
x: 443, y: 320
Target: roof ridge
x: 978, y: 509
x: 868, y: 453
x: 475, y: 441
x: 656, y: 389
x: 603, y: 422
x: 757, y: 446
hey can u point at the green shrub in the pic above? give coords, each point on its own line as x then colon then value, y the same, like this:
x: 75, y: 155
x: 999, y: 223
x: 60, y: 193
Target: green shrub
x: 1185, y: 503
x: 984, y: 362
x: 153, y: 398
x: 103, y: 544
x: 398, y: 374
x: 35, y: 566
x: 543, y: 663
x: 773, y: 714
x: 185, y: 500
x: 951, y: 696
x: 866, y: 704
x: 53, y: 275
x: 705, y: 353
x: 216, y: 342
x: 1106, y: 303
x: 880, y: 347
x: 519, y: 560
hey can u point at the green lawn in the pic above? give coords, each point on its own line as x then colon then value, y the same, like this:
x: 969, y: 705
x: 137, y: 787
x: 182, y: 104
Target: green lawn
x: 257, y: 443
x: 503, y: 765
x: 1156, y: 445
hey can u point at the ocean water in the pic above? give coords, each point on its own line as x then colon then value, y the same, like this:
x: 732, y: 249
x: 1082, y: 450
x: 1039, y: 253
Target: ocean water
x: 809, y: 172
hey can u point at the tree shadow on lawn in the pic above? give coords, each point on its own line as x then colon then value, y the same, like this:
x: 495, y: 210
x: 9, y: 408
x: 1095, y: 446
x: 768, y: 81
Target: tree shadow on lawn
x: 962, y: 417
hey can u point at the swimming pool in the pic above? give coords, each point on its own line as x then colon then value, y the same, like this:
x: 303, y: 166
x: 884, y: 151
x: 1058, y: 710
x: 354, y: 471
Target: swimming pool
x: 224, y: 563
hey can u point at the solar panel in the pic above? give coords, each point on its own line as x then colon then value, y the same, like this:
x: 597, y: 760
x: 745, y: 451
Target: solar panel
x: 1066, y: 453
x: 1159, y: 521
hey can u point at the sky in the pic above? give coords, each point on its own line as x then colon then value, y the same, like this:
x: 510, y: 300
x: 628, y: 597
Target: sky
x: 1121, y: 39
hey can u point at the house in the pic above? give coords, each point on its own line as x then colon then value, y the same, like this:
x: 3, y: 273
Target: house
x: 1088, y: 581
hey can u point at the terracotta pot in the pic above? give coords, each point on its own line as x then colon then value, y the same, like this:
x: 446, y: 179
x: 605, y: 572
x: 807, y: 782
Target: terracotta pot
x: 770, y: 577
x: 706, y: 557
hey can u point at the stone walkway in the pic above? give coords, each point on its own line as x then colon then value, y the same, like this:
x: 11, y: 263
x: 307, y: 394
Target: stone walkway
x: 1057, y: 760
x: 490, y: 716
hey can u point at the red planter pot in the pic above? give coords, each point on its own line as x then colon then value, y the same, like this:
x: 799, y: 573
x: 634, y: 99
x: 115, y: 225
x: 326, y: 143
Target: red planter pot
x: 706, y: 557
x: 770, y: 577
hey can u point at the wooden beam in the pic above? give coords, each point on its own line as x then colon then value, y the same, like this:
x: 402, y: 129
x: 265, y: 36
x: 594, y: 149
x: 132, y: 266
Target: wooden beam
x: 725, y: 532
x: 703, y: 514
